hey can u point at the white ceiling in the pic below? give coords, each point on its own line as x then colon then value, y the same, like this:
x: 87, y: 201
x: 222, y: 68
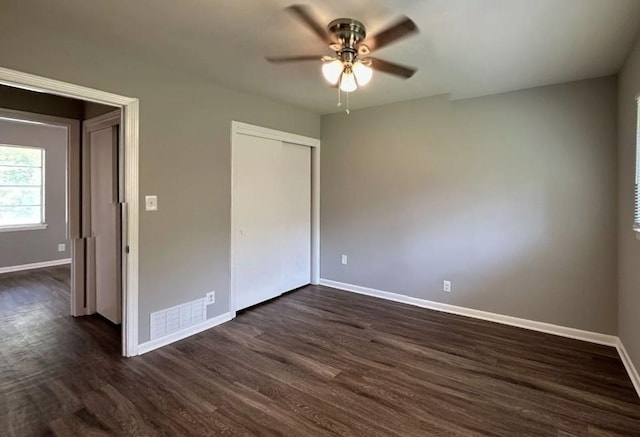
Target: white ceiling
x: 465, y: 47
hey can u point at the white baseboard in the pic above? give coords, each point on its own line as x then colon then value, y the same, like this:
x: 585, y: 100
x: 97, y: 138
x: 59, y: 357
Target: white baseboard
x: 579, y: 334
x: 57, y: 262
x: 168, y: 339
x: 628, y: 364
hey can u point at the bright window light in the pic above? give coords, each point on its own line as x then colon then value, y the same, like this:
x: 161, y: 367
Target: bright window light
x: 21, y: 186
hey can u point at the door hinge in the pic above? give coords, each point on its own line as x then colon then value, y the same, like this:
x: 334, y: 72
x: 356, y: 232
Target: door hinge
x: 126, y: 249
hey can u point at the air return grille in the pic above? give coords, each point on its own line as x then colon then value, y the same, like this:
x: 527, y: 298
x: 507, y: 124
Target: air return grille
x: 177, y: 318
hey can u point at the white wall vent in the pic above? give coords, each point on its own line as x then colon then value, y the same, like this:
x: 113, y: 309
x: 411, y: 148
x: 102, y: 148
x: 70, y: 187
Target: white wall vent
x: 174, y: 319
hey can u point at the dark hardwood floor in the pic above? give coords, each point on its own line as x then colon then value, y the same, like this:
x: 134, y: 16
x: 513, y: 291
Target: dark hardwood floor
x: 314, y: 362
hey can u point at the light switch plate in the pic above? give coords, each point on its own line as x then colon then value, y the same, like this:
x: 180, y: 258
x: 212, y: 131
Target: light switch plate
x: 151, y: 203
x: 62, y: 247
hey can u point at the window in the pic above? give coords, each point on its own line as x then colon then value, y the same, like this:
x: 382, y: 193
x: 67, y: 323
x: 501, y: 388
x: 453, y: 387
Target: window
x: 21, y: 186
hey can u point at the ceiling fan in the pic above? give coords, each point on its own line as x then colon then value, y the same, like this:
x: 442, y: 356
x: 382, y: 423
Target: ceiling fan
x: 351, y: 66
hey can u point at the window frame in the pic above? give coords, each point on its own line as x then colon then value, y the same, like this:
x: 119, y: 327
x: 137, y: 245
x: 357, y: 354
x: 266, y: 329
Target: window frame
x: 43, y: 223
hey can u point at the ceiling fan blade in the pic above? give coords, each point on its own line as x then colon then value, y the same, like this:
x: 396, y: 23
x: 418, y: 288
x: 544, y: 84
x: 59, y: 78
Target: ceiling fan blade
x: 391, y: 68
x: 282, y: 59
x: 304, y: 14
x: 403, y: 27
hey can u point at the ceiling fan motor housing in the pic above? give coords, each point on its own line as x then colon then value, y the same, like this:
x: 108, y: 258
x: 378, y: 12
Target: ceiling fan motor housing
x: 349, y: 33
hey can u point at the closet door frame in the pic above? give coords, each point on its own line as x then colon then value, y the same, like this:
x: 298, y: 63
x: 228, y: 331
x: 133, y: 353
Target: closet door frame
x: 239, y: 128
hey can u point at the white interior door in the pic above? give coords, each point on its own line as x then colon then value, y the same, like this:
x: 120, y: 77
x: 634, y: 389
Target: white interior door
x: 105, y: 223
x: 296, y: 215
x: 272, y: 218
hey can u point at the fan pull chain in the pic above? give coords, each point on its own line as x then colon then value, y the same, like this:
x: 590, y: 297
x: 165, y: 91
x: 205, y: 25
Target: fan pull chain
x: 340, y: 95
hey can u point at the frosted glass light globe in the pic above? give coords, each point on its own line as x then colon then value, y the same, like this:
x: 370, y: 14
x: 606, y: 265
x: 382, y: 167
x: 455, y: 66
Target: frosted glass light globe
x: 348, y: 82
x: 362, y: 72
x: 332, y: 70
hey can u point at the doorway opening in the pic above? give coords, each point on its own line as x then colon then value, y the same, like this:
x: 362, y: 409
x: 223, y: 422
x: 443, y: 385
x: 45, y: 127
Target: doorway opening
x: 101, y: 205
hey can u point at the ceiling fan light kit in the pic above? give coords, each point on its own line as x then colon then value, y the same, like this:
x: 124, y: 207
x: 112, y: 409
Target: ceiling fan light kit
x: 346, y: 69
x: 351, y: 67
x: 343, y: 73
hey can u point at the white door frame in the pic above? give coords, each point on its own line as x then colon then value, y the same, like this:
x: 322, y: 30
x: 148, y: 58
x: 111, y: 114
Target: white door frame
x: 239, y: 128
x: 130, y: 137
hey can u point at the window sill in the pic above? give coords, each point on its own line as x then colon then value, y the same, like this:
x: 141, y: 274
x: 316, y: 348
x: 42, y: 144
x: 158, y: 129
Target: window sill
x: 17, y: 228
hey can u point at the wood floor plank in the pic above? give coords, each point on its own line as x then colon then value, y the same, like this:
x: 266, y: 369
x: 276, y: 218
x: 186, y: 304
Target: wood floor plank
x: 281, y: 386
x: 314, y: 362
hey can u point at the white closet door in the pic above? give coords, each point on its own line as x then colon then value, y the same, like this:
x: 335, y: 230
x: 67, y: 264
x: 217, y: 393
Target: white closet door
x: 272, y: 218
x: 258, y: 225
x: 296, y: 214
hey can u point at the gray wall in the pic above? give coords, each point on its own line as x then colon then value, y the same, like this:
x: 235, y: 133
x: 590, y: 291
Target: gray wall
x: 92, y: 109
x: 26, y: 247
x: 629, y: 247
x: 185, y: 130
x: 40, y: 103
x: 511, y: 197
